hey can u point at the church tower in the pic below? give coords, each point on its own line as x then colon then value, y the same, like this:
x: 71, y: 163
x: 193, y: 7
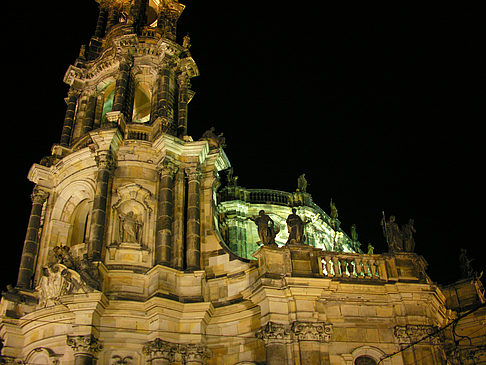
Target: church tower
x: 141, y: 247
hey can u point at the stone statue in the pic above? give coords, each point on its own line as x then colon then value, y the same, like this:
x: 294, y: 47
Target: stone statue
x: 392, y: 234
x: 467, y: 270
x: 186, y: 42
x: 230, y: 178
x: 302, y: 184
x: 370, y: 249
x: 295, y: 226
x: 266, y: 228
x: 83, y: 267
x: 407, y: 235
x: 334, y: 215
x: 130, y: 228
x: 215, y: 141
x: 354, y: 233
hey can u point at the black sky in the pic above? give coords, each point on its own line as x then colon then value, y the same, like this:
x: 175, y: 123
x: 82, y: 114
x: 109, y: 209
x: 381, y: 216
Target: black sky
x: 380, y: 106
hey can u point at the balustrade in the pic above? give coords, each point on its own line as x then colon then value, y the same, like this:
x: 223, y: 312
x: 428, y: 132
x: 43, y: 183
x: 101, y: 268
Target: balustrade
x: 350, y: 265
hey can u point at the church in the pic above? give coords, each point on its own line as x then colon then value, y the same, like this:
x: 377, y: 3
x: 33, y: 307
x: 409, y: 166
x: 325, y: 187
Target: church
x: 142, y: 247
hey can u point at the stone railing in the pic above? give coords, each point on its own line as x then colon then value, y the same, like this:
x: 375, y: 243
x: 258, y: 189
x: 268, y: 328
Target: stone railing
x: 351, y: 265
x: 306, y: 261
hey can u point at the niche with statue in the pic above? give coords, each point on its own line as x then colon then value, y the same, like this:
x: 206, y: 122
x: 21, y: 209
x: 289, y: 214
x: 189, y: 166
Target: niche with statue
x: 131, y: 227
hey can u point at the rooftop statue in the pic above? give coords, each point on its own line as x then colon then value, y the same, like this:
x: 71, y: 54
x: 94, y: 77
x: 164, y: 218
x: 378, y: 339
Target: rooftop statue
x: 399, y: 240
x: 392, y: 233
x: 295, y: 226
x: 302, y: 184
x: 215, y: 141
x: 407, y: 234
x: 467, y: 270
x: 230, y: 178
x: 266, y: 228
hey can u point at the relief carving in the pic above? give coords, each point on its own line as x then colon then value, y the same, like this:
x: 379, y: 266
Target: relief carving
x: 310, y: 331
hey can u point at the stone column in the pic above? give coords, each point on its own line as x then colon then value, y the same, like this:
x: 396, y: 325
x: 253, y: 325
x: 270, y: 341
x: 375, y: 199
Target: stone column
x: 159, y: 352
x: 276, y: 337
x: 310, y: 336
x: 72, y: 100
x: 31, y: 245
x: 101, y: 22
x: 113, y: 17
x: 85, y: 349
x: 165, y: 215
x: 122, y: 85
x: 179, y: 222
x: 105, y: 162
x: 162, y: 108
x: 183, y: 81
x: 193, y: 235
x: 89, y: 116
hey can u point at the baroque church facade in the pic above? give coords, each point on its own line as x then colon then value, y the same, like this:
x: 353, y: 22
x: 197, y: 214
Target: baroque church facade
x: 141, y: 247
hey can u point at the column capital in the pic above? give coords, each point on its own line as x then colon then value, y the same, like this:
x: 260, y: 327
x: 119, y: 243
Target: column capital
x: 39, y: 195
x: 274, y: 332
x: 84, y: 344
x: 160, y: 349
x: 193, y: 353
x: 193, y: 173
x: 167, y: 167
x: 312, y: 331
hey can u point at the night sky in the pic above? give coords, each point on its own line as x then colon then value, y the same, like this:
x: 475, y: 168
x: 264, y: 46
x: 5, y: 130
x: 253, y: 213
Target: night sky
x: 378, y: 106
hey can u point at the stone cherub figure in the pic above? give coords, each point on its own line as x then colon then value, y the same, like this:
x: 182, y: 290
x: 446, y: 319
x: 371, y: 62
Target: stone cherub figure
x: 266, y: 228
x: 214, y: 140
x: 295, y: 226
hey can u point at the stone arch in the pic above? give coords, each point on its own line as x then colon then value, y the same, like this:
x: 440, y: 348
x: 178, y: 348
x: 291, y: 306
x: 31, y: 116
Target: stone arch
x: 42, y: 356
x: 365, y: 355
x: 71, y: 213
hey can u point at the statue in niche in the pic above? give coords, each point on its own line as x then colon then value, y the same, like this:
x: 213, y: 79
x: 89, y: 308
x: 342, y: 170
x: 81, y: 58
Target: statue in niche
x: 266, y: 228
x: 392, y: 234
x: 302, y: 184
x: 295, y: 226
x: 130, y: 228
x: 407, y: 235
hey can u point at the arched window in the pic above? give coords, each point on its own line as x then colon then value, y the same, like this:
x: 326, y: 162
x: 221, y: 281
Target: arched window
x: 141, y: 105
x: 365, y: 360
x: 109, y: 95
x: 79, y: 223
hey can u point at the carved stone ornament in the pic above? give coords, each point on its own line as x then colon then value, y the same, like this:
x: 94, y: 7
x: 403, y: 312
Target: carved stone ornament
x: 310, y: 331
x: 160, y: 349
x: 274, y: 332
x: 413, y: 333
x: 84, y: 344
x: 58, y: 280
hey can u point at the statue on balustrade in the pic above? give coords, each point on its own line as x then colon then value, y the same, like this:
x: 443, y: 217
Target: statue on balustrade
x: 266, y: 228
x: 399, y: 240
x: 295, y: 226
x: 392, y: 233
x: 302, y: 184
x: 407, y: 234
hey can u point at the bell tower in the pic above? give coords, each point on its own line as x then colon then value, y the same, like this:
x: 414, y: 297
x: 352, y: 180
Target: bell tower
x: 121, y: 206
